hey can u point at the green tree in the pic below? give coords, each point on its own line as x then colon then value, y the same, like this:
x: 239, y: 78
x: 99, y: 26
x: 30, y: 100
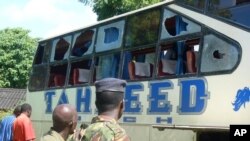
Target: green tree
x: 16, y: 55
x: 4, y: 113
x: 108, y: 8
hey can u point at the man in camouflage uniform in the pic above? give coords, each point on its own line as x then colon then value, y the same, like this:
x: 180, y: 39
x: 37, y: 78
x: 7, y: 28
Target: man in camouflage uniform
x: 109, y: 102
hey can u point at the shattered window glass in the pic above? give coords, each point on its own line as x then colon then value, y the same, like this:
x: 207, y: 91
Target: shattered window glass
x: 233, y: 10
x: 218, y: 54
x: 175, y: 25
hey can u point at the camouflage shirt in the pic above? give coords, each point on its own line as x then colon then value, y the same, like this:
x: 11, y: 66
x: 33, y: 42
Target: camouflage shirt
x: 52, y: 136
x: 104, y: 128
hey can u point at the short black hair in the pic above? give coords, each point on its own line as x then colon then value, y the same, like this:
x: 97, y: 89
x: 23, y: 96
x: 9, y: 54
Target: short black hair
x: 17, y: 110
x: 26, y: 107
x: 108, y: 100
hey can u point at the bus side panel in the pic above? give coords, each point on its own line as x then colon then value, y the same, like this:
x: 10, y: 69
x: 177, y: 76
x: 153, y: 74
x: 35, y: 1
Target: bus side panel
x: 41, y: 128
x: 172, y: 135
x: 147, y: 133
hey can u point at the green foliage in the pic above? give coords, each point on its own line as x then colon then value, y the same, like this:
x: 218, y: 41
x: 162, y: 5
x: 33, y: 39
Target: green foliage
x: 4, y: 113
x: 143, y: 28
x: 108, y: 8
x: 16, y: 55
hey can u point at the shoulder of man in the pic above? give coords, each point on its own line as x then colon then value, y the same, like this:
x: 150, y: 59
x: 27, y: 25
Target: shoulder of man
x: 51, y: 136
x: 8, y: 118
x: 105, y: 131
x: 48, y: 138
x: 118, y: 131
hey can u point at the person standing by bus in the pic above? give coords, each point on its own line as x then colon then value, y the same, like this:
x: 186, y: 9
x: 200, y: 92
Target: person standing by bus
x: 64, y: 123
x: 109, y: 102
x: 22, y: 126
x: 6, y: 133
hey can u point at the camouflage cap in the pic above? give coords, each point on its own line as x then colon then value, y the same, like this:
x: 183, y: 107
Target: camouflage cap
x: 110, y: 84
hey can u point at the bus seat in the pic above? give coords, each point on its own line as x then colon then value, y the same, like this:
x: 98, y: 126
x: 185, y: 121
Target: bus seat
x: 191, y: 67
x: 160, y: 72
x: 166, y: 67
x: 59, y: 80
x: 51, y: 80
x: 80, y: 76
x: 139, y: 70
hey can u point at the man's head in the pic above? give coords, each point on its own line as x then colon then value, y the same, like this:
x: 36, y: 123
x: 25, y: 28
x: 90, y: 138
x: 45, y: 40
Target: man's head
x: 109, y: 95
x: 17, y: 111
x: 64, y: 118
x: 26, y: 109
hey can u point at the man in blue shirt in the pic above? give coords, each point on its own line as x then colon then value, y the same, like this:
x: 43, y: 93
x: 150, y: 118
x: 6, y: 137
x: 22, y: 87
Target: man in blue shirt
x: 6, y: 125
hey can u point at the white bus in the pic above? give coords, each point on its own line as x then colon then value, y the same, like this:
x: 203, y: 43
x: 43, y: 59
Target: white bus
x: 185, y: 62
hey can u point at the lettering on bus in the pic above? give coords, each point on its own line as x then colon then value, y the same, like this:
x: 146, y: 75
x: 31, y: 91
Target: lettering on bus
x: 193, y: 96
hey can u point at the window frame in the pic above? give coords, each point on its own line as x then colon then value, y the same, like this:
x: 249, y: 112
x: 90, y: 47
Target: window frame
x: 207, y: 12
x: 53, y: 48
x: 107, y: 53
x: 225, y: 39
x: 157, y: 44
x: 120, y: 23
x: 79, y: 59
x: 75, y: 35
x: 139, y: 14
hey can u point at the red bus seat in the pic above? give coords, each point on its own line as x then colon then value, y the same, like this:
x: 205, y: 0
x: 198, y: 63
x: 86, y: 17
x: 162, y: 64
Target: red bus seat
x: 166, y: 67
x: 135, y: 72
x: 191, y: 60
x: 59, y: 80
x: 80, y: 76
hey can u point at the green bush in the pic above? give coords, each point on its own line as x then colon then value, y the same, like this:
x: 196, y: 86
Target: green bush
x: 4, y: 113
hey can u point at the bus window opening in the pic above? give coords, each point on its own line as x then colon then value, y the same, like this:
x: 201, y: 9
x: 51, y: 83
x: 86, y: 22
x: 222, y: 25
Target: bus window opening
x: 175, y: 25
x: 233, y: 10
x: 200, y: 4
x: 57, y: 76
x: 168, y: 60
x: 107, y: 66
x: 42, y: 53
x: 142, y: 29
x: 110, y: 36
x: 60, y: 49
x: 139, y: 64
x: 178, y: 58
x: 38, y: 77
x: 80, y: 72
x: 39, y: 56
x: 83, y: 44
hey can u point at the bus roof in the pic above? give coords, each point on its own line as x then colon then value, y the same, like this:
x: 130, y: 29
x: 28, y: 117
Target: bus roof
x: 110, y: 19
